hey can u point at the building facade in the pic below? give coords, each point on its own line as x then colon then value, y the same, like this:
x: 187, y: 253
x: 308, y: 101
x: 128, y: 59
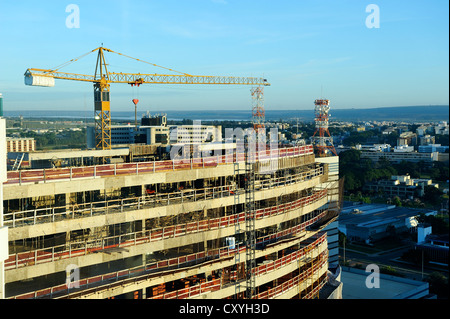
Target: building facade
x: 130, y: 134
x: 397, y: 157
x: 401, y: 186
x: 427, y: 140
x: 14, y: 144
x: 433, y: 148
x: 195, y: 134
x: 407, y: 138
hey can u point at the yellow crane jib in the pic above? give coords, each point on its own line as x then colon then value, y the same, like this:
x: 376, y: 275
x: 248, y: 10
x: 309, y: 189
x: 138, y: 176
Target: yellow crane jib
x: 102, y: 79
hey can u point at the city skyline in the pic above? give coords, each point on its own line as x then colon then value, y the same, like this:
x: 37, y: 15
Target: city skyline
x: 306, y: 50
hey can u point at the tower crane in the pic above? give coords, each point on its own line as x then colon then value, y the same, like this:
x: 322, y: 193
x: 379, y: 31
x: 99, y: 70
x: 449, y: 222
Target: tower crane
x: 102, y: 79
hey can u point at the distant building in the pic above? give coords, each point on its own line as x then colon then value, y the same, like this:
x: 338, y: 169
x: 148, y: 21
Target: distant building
x: 402, y: 129
x: 130, y: 134
x: 388, y: 131
x: 407, y: 138
x: 422, y: 232
x: 374, y: 147
x: 372, y: 222
x: 441, y: 128
x: 25, y: 144
x: 403, y: 149
x: 433, y: 148
x: 421, y: 130
x: 434, y: 247
x: 443, y: 157
x: 397, y: 157
x: 427, y: 140
x: 154, y: 120
x: 401, y: 186
x: 195, y: 134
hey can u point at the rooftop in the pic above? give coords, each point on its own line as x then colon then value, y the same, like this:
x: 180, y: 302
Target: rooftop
x: 390, y: 287
x: 368, y: 214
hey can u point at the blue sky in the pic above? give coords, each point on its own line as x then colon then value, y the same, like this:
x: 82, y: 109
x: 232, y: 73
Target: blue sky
x: 307, y: 49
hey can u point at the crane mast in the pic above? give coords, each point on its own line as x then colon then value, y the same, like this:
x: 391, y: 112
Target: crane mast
x: 102, y: 104
x: 102, y: 79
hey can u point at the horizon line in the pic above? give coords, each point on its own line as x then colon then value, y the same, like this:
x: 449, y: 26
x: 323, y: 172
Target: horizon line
x: 240, y: 110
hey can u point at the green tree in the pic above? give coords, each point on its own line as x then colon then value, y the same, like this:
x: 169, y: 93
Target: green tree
x: 397, y: 202
x: 439, y: 225
x: 349, y: 157
x: 432, y: 195
x: 438, y: 284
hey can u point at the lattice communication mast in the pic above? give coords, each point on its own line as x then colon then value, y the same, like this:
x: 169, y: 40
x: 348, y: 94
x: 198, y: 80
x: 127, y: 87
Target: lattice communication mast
x: 322, y: 140
x: 258, y: 112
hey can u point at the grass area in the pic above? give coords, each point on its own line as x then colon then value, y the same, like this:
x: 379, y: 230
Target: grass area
x: 362, y: 248
x: 378, y: 200
x: 378, y: 247
x: 387, y: 244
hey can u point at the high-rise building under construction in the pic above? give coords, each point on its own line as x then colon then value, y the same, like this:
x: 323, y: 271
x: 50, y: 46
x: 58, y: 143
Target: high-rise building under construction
x: 165, y: 229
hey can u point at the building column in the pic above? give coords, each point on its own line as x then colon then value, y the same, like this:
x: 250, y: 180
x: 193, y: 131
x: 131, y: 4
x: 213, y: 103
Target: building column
x: 205, y: 242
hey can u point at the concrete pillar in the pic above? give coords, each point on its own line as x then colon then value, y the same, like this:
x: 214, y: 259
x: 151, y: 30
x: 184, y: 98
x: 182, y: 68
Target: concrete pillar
x: 144, y: 256
x: 205, y: 242
x: 68, y: 204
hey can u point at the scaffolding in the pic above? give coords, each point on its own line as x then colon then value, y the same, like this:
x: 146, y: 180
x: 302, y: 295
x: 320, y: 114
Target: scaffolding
x: 237, y: 230
x: 250, y: 233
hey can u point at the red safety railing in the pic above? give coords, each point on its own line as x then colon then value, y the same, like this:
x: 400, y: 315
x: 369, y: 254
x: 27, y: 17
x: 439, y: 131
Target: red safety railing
x: 110, y: 206
x: 192, y: 291
x: 295, y: 256
x: 294, y: 282
x: 69, y: 173
x: 258, y: 271
x: 164, y: 264
x: 313, y: 293
x: 276, y: 264
x: 61, y: 252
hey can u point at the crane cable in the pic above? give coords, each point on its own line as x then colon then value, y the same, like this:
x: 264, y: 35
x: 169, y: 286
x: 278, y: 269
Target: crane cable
x: 159, y: 66
x: 71, y: 61
x: 118, y: 53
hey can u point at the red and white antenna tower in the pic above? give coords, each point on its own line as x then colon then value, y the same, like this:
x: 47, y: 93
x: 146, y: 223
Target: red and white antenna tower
x: 258, y: 113
x: 322, y: 140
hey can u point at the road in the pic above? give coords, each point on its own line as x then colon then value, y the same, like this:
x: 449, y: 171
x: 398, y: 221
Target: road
x: 389, y: 259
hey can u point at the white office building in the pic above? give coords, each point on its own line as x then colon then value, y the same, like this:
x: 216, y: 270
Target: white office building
x: 195, y: 134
